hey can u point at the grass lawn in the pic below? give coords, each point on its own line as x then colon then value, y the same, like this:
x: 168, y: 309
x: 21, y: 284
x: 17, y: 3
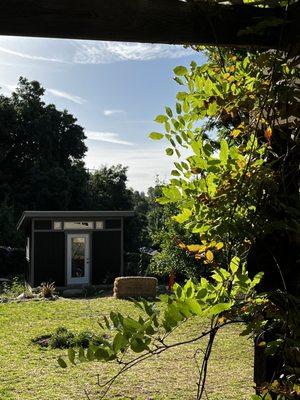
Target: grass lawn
x: 30, y: 373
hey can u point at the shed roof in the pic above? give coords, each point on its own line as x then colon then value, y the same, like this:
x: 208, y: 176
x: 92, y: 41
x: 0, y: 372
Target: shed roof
x: 27, y: 216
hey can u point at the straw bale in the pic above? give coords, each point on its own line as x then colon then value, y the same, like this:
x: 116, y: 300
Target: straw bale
x: 135, y: 286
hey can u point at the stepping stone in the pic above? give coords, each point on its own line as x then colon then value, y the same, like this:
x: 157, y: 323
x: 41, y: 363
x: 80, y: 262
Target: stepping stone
x: 73, y: 292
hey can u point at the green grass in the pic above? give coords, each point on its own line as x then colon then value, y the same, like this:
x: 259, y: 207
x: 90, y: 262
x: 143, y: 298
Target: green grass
x: 28, y: 372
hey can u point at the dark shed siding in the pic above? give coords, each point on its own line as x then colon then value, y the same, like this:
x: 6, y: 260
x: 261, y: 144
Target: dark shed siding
x: 49, y: 258
x: 43, y: 224
x: 106, y: 256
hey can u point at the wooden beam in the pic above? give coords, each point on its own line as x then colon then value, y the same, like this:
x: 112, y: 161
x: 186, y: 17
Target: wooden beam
x: 151, y: 21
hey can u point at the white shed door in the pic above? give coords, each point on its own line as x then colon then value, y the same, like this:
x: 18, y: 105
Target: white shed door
x: 78, y: 258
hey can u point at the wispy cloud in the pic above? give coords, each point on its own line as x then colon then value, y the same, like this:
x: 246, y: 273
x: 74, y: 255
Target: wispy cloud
x: 109, y: 52
x: 109, y: 137
x: 67, y: 96
x: 31, y: 56
x: 8, y: 87
x: 109, y: 113
x: 87, y: 52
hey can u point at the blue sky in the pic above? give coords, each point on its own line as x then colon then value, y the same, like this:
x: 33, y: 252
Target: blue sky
x: 114, y: 89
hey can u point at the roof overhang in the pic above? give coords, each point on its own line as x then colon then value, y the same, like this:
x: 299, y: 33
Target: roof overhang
x: 153, y: 21
x: 27, y: 216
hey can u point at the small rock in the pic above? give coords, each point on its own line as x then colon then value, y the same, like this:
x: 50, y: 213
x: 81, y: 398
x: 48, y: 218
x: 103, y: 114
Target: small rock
x: 22, y: 296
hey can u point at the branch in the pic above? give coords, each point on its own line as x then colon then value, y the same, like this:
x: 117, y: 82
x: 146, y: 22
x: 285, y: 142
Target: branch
x: 158, y: 351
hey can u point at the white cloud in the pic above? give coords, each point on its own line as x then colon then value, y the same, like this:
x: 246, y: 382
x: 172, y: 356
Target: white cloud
x: 86, y: 52
x: 109, y: 113
x: 31, y: 56
x: 109, y: 137
x: 8, y: 88
x: 93, y: 52
x: 145, y: 162
x: 68, y: 96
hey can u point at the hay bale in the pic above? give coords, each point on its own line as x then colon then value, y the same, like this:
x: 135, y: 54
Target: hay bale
x: 135, y: 286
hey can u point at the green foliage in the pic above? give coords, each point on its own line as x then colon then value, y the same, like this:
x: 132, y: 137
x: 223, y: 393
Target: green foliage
x: 63, y: 338
x: 14, y: 288
x: 107, y: 186
x: 229, y: 118
x: 165, y: 233
x: 219, y: 299
x: 41, y: 157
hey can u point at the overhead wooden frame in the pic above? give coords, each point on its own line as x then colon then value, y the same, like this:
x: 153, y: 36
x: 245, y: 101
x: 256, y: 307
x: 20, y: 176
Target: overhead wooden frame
x: 151, y: 21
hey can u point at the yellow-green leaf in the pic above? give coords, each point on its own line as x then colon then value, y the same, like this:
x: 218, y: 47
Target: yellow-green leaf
x: 209, y: 255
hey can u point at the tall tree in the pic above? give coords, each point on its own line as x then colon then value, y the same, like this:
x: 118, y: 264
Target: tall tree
x: 108, y: 188
x: 41, y: 152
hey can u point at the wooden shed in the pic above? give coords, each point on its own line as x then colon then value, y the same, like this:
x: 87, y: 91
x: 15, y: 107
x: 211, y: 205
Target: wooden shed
x: 73, y: 248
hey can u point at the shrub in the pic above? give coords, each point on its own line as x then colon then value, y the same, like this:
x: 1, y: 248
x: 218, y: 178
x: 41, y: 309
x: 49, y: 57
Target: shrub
x: 83, y: 339
x: 13, y: 288
x: 62, y: 338
x: 48, y: 290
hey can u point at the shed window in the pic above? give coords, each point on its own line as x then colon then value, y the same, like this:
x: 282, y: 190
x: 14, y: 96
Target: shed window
x: 78, y: 225
x: 99, y: 224
x: 113, y: 224
x: 57, y: 225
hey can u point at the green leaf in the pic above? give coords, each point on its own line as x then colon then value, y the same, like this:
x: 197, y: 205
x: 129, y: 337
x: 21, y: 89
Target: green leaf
x: 62, y: 363
x: 131, y: 326
x: 178, y: 108
x: 119, y: 342
x: 71, y: 355
x: 217, y: 309
x: 161, y: 119
x: 169, y: 112
x: 234, y: 264
x: 81, y: 355
x: 137, y: 345
x: 90, y: 354
x: 194, y: 306
x: 169, y: 151
x: 212, y: 109
x: 156, y: 135
x: 180, y: 71
x: 224, y: 151
x: 201, y: 293
x: 101, y: 354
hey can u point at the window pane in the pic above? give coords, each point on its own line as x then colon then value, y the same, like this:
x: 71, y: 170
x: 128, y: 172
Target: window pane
x: 78, y: 225
x: 99, y: 224
x: 57, y: 225
x: 78, y: 257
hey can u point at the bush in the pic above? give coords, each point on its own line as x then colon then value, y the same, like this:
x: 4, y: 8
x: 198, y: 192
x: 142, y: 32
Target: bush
x: 83, y: 339
x: 136, y: 264
x: 63, y: 338
x: 13, y: 288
